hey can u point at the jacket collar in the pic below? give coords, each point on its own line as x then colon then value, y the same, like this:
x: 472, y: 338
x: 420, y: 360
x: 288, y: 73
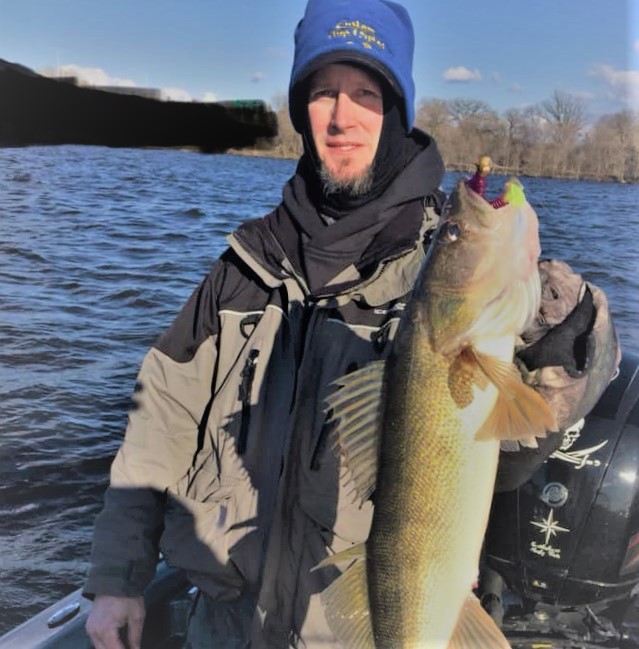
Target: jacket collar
x: 294, y: 242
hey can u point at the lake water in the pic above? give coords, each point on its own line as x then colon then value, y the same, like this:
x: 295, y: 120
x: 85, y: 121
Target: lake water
x: 99, y: 248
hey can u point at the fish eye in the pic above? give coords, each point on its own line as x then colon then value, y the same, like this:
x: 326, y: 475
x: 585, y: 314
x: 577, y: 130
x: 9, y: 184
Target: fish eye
x: 452, y: 231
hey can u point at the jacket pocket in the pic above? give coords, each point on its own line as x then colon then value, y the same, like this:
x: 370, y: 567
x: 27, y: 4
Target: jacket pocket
x: 210, y: 531
x: 196, y: 539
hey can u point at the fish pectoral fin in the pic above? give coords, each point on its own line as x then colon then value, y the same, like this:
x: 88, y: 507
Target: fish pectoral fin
x: 520, y: 412
x: 476, y: 629
x: 356, y: 415
x: 346, y: 601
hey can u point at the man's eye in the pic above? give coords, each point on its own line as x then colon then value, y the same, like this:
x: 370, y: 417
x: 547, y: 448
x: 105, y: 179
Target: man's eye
x: 368, y: 97
x: 321, y: 92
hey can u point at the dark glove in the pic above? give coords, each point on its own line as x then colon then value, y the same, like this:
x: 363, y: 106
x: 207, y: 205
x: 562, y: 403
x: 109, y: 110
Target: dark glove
x: 568, y: 344
x: 571, y: 352
x: 569, y: 355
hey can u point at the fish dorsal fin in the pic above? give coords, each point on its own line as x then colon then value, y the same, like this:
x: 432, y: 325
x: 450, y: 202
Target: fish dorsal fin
x: 356, y: 414
x: 476, y: 629
x: 520, y: 412
x: 346, y: 601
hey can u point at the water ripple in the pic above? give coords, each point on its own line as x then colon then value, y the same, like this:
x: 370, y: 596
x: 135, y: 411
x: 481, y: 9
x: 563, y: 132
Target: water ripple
x: 99, y: 248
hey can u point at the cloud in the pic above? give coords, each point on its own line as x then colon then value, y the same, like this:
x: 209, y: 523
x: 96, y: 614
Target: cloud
x: 515, y: 87
x: 99, y: 77
x: 636, y: 45
x: 175, y: 94
x: 623, y: 85
x: 256, y: 77
x: 88, y: 76
x: 495, y: 76
x: 209, y: 97
x: 461, y: 74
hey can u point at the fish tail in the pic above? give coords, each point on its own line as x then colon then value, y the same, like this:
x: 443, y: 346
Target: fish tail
x: 476, y: 629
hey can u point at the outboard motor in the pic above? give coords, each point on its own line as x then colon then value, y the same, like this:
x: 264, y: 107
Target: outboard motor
x: 561, y: 565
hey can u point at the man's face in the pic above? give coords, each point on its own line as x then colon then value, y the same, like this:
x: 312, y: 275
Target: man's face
x: 345, y: 109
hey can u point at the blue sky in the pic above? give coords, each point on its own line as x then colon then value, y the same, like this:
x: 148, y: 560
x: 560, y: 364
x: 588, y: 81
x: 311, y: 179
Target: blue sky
x: 508, y: 54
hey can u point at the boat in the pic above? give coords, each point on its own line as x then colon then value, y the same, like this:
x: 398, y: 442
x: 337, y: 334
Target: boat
x: 562, y: 550
x: 561, y: 565
x: 168, y: 600
x: 108, y: 117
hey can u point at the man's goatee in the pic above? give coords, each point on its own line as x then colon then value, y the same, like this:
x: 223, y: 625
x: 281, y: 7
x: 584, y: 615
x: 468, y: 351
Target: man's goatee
x: 352, y: 187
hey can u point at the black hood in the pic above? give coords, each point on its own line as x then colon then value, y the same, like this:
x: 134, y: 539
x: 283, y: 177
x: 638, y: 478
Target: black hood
x: 319, y: 251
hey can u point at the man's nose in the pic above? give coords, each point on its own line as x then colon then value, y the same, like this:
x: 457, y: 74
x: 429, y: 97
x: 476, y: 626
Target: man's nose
x: 343, y: 112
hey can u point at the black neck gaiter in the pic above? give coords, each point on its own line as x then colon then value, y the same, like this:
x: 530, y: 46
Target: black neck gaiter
x: 362, y: 229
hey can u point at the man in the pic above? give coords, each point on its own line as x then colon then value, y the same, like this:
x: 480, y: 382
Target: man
x: 225, y: 464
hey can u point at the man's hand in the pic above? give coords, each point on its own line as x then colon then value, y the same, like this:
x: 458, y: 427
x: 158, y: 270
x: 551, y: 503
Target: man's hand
x: 109, y: 614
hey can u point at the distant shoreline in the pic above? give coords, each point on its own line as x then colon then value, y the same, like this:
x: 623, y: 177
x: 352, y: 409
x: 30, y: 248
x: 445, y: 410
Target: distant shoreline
x: 267, y: 153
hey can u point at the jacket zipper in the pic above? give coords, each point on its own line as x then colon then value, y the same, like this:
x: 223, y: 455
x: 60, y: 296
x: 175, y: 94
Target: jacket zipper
x: 246, y: 386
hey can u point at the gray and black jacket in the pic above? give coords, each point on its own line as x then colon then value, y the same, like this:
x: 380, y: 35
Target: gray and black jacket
x: 225, y: 464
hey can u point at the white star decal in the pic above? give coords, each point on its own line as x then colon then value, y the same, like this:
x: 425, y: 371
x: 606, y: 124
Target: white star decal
x: 549, y: 526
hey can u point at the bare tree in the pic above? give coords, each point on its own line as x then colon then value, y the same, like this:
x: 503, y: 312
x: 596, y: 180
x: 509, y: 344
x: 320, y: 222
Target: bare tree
x: 624, y: 126
x: 433, y: 117
x: 566, y: 112
x: 476, y: 130
x: 549, y: 139
x: 288, y: 143
x: 519, y: 134
x: 461, y: 109
x: 612, y: 147
x: 565, y: 115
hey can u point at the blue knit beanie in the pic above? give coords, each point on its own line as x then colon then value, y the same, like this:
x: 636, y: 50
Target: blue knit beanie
x: 377, y: 34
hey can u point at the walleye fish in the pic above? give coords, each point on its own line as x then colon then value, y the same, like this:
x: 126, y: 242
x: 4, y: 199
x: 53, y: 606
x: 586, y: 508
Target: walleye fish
x: 422, y: 431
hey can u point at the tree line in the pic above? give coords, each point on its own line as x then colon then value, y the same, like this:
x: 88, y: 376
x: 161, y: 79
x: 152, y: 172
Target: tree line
x: 551, y: 139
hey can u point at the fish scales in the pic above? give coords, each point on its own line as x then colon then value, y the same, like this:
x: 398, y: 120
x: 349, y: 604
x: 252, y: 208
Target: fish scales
x: 437, y: 410
x: 431, y: 486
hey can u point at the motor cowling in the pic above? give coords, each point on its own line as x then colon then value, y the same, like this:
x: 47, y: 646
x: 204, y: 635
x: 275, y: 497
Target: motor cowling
x: 570, y: 535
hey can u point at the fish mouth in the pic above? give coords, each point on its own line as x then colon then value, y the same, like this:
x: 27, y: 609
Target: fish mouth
x: 486, y: 281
